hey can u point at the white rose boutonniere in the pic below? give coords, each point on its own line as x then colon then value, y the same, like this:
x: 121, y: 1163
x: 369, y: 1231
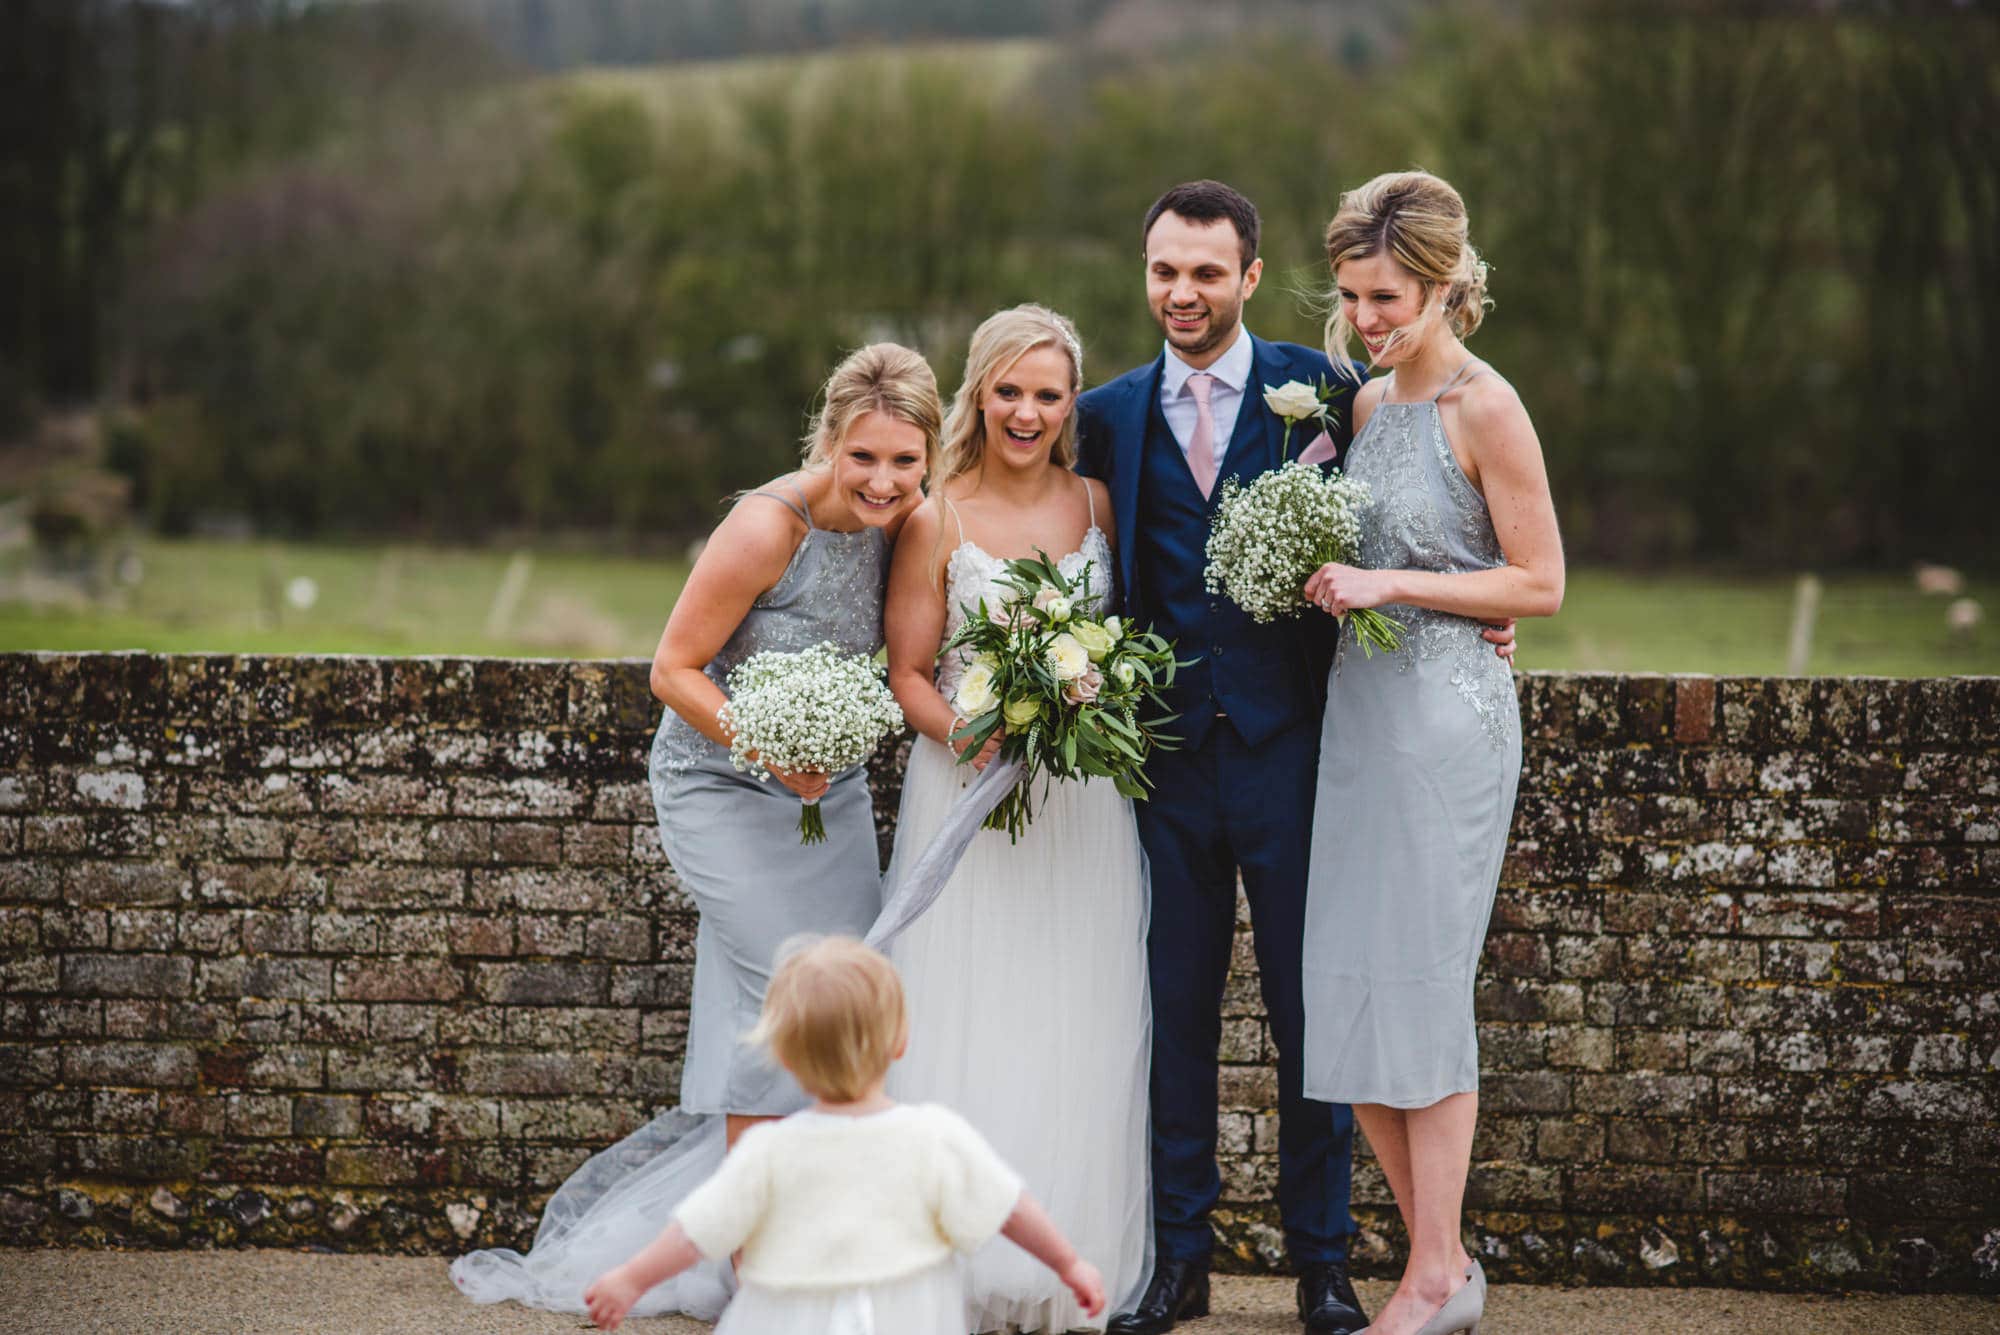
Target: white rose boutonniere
x: 1296, y: 401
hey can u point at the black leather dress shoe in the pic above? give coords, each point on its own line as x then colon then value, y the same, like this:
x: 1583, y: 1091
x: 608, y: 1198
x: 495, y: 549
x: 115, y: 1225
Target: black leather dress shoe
x: 1178, y: 1289
x: 1327, y: 1303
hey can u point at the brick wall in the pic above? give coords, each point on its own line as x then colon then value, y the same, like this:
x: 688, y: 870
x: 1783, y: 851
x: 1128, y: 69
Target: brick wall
x: 372, y: 953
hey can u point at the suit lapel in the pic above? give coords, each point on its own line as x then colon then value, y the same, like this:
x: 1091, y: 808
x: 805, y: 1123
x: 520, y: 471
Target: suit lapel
x: 1253, y: 446
x: 1129, y: 425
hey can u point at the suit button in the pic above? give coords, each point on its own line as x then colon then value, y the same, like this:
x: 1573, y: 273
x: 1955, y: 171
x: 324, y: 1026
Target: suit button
x: 1215, y: 607
x: 1217, y: 651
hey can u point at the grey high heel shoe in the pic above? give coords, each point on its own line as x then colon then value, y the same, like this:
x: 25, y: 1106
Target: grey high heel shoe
x: 1464, y: 1310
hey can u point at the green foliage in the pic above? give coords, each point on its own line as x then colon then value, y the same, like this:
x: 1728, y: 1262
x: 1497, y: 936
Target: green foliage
x: 121, y: 114
x: 1743, y: 262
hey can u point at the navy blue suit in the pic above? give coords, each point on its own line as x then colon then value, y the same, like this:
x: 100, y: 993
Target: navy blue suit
x: 1236, y: 798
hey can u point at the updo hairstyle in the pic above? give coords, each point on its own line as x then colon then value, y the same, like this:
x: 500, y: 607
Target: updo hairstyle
x: 1418, y: 220
x: 882, y: 377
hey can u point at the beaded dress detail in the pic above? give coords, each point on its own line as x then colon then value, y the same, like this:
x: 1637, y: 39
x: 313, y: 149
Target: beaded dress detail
x: 1423, y: 514
x: 832, y: 590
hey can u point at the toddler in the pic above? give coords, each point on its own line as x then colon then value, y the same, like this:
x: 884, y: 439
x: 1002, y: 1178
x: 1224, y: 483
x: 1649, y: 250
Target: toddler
x: 848, y: 1214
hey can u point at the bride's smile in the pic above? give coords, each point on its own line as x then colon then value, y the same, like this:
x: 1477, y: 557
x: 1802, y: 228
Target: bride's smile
x: 1025, y: 406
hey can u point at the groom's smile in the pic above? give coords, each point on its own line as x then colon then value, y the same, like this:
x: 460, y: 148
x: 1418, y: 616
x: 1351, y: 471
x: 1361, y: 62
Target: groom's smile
x: 1196, y: 284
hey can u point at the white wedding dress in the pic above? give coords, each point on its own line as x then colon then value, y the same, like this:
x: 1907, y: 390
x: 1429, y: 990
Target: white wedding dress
x: 1029, y: 1011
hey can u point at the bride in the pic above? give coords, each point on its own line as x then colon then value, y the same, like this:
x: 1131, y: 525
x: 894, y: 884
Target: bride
x: 1027, y: 978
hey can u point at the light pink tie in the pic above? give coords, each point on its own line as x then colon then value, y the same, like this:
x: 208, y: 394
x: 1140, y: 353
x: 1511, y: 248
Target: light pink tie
x: 1201, y: 445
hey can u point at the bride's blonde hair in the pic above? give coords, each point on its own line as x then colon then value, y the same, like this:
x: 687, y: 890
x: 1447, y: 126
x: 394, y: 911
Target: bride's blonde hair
x: 1000, y: 341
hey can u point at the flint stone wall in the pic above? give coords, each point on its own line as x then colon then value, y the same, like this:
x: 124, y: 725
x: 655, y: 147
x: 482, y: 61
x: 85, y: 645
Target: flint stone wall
x: 371, y: 953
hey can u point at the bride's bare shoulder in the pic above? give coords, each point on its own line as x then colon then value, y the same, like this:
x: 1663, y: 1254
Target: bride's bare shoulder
x: 924, y: 522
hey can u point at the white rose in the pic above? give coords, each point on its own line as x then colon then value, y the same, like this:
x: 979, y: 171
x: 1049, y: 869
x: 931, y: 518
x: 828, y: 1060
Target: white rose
x: 1124, y: 672
x: 1096, y: 640
x: 1294, y: 400
x: 1067, y: 659
x: 1058, y: 609
x: 1115, y: 625
x: 975, y: 691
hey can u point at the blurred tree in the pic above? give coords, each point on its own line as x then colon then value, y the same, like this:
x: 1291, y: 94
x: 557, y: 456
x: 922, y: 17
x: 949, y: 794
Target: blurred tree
x: 1744, y: 260
x: 81, y: 119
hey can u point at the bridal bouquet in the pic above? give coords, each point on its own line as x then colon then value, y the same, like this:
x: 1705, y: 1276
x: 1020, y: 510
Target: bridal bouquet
x: 1067, y: 689
x: 817, y: 709
x: 1270, y: 536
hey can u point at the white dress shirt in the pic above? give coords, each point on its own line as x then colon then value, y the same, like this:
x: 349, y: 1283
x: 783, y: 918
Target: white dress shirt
x: 1231, y: 371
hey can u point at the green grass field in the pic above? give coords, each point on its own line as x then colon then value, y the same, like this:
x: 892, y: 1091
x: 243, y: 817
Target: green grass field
x: 208, y: 596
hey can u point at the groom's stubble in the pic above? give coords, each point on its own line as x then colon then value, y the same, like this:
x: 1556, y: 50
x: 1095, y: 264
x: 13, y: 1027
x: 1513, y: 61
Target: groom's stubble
x: 1196, y: 269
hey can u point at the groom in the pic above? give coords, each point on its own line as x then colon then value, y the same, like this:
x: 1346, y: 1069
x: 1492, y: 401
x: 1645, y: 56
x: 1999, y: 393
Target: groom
x: 1237, y: 798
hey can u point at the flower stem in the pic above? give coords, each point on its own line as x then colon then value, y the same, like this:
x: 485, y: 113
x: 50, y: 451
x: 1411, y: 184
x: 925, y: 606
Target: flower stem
x: 1373, y: 631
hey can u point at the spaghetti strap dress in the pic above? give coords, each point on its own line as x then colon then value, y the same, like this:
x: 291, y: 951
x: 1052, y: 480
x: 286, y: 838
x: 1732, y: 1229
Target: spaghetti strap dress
x: 733, y: 842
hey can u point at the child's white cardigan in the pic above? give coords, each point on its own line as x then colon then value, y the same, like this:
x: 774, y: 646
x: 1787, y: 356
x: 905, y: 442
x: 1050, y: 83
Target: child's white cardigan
x: 824, y: 1201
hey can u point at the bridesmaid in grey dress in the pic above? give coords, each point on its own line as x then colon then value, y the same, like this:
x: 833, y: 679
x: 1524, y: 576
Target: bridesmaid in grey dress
x: 799, y: 560
x: 1421, y: 749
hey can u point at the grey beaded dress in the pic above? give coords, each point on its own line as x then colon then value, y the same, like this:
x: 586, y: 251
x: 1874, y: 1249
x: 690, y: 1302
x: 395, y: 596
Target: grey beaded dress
x: 1420, y: 756
x: 734, y: 843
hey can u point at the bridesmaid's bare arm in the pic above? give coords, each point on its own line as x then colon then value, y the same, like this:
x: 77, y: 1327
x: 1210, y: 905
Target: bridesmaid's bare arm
x: 746, y: 555
x: 1506, y: 465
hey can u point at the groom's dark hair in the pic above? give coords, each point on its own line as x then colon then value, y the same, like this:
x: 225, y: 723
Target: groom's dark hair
x: 1208, y: 202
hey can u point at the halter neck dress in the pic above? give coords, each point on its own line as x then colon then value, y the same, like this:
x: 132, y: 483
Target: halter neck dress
x: 1420, y: 757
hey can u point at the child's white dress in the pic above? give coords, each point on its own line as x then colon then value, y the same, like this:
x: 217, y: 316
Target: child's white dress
x: 852, y: 1225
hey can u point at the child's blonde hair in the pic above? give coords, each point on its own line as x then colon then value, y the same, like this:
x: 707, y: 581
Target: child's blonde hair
x: 833, y: 1016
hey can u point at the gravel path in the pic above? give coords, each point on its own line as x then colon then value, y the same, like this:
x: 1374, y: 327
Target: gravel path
x: 267, y: 1292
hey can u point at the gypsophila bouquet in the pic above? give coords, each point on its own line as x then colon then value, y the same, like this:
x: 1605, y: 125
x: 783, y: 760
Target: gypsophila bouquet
x: 1075, y: 695
x: 1270, y: 536
x: 817, y: 709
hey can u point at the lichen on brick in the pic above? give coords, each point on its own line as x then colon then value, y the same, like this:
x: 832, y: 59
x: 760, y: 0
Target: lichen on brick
x: 370, y: 954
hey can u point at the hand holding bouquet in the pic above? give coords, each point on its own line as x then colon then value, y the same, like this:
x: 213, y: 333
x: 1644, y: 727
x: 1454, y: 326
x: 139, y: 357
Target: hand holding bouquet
x: 817, y: 709
x: 1066, y: 689
x: 1270, y: 536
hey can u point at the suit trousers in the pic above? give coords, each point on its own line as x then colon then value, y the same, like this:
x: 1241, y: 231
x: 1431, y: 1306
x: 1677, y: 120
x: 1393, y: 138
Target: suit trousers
x: 1215, y: 810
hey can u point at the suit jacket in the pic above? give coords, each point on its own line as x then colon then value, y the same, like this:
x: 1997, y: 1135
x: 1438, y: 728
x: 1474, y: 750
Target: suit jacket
x: 1113, y: 422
